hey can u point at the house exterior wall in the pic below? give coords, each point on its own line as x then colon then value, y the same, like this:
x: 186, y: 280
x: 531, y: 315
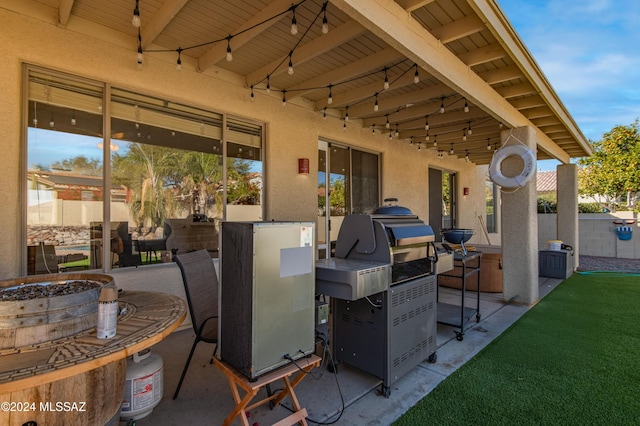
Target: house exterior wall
x: 292, y: 131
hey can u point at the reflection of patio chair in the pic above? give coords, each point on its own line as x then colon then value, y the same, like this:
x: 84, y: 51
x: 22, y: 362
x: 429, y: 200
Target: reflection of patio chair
x: 122, y: 245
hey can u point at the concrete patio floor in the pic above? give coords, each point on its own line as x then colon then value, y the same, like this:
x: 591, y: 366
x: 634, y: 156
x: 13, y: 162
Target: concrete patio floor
x: 206, y: 399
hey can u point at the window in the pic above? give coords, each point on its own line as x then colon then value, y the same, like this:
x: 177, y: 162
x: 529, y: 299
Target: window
x: 172, y: 173
x: 491, y: 197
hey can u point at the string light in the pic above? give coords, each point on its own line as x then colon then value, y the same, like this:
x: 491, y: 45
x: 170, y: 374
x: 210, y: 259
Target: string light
x: 73, y: 117
x: 426, y: 138
x: 139, y: 54
x: 268, y: 84
x: 469, y: 132
x: 325, y: 22
x: 466, y: 105
x: 416, y: 75
x: 464, y: 135
x: 466, y: 157
x: 397, y: 132
x: 390, y: 136
x: 386, y: 79
x: 375, y: 106
x: 488, y: 145
x: 387, y: 125
x: 179, y: 62
x: 51, y: 122
x: 373, y: 130
x: 330, y: 98
x: 294, y: 23
x: 135, y: 21
x: 290, y: 70
x: 346, y: 113
x: 500, y: 126
x: 229, y: 55
x: 426, y: 123
x: 284, y: 97
x: 442, y: 106
x: 324, y: 113
x: 435, y: 140
x: 252, y: 95
x: 451, y: 150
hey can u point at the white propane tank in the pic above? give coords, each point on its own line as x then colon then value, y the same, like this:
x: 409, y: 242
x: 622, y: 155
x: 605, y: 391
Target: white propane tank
x: 143, y: 386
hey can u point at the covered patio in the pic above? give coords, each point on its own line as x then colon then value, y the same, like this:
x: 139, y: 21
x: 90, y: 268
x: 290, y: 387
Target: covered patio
x: 206, y: 397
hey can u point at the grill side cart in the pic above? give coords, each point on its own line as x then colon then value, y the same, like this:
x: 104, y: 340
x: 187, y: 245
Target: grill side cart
x: 465, y: 267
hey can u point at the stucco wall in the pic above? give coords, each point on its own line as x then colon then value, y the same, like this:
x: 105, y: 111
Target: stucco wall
x: 597, y: 234
x: 292, y: 131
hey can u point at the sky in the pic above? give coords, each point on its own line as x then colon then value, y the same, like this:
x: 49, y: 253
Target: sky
x: 589, y: 50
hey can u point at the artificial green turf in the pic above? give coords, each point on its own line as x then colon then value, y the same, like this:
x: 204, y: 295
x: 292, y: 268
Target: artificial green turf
x: 574, y: 358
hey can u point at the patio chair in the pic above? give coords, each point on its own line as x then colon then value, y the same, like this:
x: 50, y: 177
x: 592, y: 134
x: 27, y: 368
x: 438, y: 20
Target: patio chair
x: 201, y: 287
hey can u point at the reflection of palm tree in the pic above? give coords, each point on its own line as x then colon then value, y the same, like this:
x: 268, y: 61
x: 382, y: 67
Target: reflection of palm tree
x: 144, y: 169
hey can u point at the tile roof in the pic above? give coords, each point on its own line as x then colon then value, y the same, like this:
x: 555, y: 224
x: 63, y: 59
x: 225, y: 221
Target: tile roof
x: 546, y: 181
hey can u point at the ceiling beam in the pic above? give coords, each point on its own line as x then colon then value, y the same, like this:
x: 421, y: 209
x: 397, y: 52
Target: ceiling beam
x: 411, y: 5
x: 160, y: 20
x: 528, y: 102
x: 458, y: 29
x: 387, y: 20
x: 482, y: 55
x: 515, y: 90
x: 354, y: 95
x: 334, y: 38
x: 354, y: 69
x: 500, y: 75
x: 246, y: 32
x: 64, y: 12
x: 391, y: 104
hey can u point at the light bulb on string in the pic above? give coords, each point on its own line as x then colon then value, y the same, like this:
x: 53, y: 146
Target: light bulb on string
x: 451, y: 150
x: 284, y: 97
x: 390, y: 136
x: 397, y: 131
x: 135, y: 21
x: 346, y: 113
x: 386, y: 79
x: 466, y: 157
x: 387, y: 125
x: 252, y: 95
x: 488, y: 145
x: 375, y: 105
x: 229, y: 55
x: 373, y: 130
x: 35, y: 115
x: 179, y: 61
x: 469, y: 131
x: 464, y: 135
x: 290, y: 70
x: 324, y: 113
x: 325, y: 22
x: 268, y: 88
x: 442, y: 106
x: 419, y: 147
x: 426, y: 123
x: 51, y: 122
x: 330, y: 98
x: 416, y: 75
x: 426, y: 138
x: 294, y: 23
x: 466, y: 105
x: 435, y: 141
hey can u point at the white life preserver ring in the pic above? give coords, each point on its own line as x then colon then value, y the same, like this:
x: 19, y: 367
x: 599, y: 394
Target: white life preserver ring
x: 495, y: 168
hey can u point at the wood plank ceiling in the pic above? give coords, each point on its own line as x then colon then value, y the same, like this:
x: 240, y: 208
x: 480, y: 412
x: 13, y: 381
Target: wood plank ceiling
x: 352, y: 60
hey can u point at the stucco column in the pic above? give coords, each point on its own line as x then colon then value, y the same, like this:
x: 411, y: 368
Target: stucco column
x: 567, y: 217
x: 519, y: 227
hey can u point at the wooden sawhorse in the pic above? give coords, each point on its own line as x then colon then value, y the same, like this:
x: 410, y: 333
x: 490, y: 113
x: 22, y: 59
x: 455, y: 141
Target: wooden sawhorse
x: 238, y: 381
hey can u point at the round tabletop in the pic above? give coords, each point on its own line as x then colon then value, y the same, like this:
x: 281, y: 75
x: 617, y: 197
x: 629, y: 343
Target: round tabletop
x: 145, y: 319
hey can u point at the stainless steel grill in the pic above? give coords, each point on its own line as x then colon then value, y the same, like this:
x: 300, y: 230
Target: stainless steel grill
x: 383, y: 288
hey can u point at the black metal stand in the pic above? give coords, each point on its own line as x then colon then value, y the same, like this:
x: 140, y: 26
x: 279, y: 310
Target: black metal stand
x: 465, y: 266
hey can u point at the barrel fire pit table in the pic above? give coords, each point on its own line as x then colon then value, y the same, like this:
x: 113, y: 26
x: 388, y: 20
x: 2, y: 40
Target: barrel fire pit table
x: 53, y: 368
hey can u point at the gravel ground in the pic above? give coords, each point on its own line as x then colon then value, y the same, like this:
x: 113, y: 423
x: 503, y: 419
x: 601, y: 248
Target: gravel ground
x: 597, y: 263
